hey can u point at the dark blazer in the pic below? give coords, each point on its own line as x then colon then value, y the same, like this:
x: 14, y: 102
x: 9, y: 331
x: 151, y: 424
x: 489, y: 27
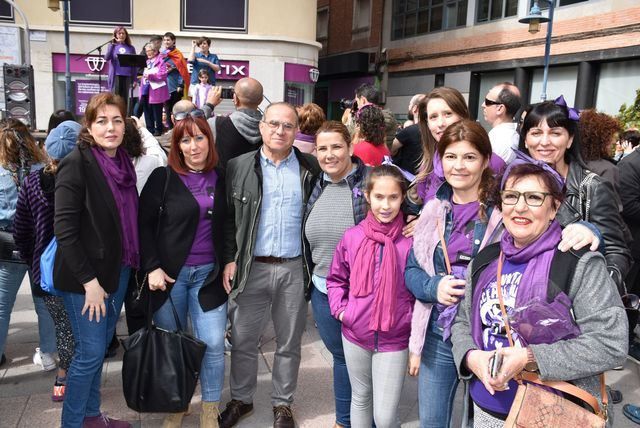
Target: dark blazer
x: 86, y: 225
x: 168, y: 245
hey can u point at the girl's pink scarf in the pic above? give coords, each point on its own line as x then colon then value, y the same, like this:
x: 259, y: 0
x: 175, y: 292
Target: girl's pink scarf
x: 366, y: 259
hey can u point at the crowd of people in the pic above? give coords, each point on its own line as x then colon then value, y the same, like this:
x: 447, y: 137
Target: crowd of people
x: 437, y: 249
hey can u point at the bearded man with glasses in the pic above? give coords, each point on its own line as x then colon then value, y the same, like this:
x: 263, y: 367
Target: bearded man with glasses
x: 267, y: 191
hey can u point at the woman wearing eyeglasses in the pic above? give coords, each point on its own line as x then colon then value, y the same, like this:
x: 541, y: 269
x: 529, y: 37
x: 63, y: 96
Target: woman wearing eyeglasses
x: 549, y: 134
x: 155, y: 76
x: 182, y: 209
x: 565, y: 320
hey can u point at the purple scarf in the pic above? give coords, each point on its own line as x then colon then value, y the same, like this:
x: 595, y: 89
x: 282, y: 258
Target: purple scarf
x: 362, y: 273
x: 535, y: 279
x: 305, y: 137
x: 121, y: 178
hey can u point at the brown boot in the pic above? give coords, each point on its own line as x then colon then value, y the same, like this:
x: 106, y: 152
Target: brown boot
x: 173, y: 420
x: 210, y: 414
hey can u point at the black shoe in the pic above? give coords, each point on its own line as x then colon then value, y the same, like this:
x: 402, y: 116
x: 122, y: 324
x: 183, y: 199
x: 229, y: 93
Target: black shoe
x: 3, y: 360
x: 283, y: 417
x: 616, y: 395
x: 234, y: 411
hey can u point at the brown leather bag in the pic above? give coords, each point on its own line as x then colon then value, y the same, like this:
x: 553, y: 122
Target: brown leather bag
x: 537, y: 407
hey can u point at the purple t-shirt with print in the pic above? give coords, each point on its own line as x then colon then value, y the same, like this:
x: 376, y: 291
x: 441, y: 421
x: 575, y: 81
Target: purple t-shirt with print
x: 202, y: 186
x: 493, y: 335
x: 460, y: 243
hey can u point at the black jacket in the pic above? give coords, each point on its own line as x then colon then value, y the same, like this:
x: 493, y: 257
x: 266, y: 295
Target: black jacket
x: 86, y: 225
x: 603, y: 213
x: 629, y: 168
x: 168, y: 245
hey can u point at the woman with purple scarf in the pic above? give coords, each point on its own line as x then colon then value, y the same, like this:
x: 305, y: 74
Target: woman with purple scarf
x: 451, y: 229
x: 566, y: 317
x: 120, y: 77
x: 95, y: 224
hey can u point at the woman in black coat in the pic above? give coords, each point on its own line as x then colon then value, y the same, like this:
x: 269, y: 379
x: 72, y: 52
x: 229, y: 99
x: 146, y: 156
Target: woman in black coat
x: 181, y: 217
x: 96, y: 207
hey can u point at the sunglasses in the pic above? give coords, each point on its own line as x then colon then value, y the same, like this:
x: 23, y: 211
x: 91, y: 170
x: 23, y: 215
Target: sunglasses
x: 193, y: 113
x: 489, y: 102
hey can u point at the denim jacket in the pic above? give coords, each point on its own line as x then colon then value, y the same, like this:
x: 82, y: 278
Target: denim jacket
x: 425, y: 287
x: 9, y: 196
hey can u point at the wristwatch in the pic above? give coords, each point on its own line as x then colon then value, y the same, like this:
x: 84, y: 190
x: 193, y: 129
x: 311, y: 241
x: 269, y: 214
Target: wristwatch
x: 532, y: 365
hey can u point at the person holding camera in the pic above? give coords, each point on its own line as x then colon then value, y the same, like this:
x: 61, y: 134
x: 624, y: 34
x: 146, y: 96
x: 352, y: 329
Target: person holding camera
x: 202, y: 59
x: 368, y: 94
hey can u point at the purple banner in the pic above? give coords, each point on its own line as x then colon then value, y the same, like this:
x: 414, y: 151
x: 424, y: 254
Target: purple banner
x: 300, y: 73
x: 294, y: 95
x: 85, y: 89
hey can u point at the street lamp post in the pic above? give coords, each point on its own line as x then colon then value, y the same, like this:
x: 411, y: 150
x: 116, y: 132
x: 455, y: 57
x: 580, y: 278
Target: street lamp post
x: 534, y: 19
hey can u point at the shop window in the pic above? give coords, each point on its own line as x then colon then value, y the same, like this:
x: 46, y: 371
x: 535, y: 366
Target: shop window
x: 6, y: 12
x: 217, y: 15
x: 97, y: 12
x: 415, y: 17
x: 491, y: 10
x: 617, y: 85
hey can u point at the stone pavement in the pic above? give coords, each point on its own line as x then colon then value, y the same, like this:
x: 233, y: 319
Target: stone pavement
x: 25, y: 389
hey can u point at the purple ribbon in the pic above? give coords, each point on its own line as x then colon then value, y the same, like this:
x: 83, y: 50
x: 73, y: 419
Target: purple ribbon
x: 521, y: 158
x: 410, y: 177
x: 574, y: 114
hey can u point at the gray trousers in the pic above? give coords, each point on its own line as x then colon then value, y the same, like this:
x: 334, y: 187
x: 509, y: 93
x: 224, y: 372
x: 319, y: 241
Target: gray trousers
x: 279, y: 288
x: 376, y: 383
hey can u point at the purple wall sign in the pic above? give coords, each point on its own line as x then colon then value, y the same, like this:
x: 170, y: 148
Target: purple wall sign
x: 233, y: 70
x: 89, y: 64
x: 293, y: 95
x: 84, y: 90
x: 300, y: 73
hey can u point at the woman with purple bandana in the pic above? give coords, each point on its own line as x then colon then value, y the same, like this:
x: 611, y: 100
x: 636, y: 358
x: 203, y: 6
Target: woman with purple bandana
x: 95, y: 224
x: 565, y: 315
x: 463, y: 213
x: 440, y: 108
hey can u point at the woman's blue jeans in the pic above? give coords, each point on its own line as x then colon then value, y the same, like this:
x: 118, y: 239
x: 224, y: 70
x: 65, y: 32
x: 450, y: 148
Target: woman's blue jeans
x: 208, y: 326
x: 330, y: 330
x: 91, y: 338
x: 437, y: 382
x: 11, y: 276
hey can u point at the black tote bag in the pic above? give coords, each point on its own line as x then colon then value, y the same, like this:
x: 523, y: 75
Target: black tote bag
x: 160, y: 368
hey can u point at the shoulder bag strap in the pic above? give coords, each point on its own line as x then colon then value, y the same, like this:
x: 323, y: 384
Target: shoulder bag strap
x: 447, y: 262
x: 565, y: 387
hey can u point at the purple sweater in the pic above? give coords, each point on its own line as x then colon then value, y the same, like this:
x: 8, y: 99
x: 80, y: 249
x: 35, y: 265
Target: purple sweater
x: 33, y: 222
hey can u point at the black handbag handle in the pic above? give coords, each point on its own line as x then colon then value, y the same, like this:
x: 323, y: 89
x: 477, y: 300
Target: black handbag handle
x: 173, y: 309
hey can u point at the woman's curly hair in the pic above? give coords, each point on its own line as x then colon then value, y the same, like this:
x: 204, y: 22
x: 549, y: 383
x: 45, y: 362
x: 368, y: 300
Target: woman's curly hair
x: 596, y: 134
x: 370, y: 121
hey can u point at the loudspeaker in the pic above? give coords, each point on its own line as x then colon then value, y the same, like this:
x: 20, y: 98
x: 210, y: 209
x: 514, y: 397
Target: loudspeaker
x: 19, y: 94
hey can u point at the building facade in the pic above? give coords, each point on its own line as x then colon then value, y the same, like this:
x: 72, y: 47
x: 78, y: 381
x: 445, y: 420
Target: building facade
x: 472, y: 45
x: 270, y: 40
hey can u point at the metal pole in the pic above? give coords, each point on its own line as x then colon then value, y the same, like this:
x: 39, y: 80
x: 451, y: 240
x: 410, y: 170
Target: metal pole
x: 27, y: 42
x: 67, y: 69
x: 547, y: 51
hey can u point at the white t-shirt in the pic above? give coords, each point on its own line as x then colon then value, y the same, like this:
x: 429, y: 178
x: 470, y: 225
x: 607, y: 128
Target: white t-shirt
x: 504, y: 140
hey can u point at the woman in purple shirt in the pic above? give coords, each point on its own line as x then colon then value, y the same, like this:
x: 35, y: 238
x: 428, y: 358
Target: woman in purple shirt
x: 181, y: 218
x: 463, y: 213
x: 120, y: 78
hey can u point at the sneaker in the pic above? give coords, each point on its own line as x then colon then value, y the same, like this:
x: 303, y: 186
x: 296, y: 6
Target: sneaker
x: 44, y: 360
x: 103, y: 421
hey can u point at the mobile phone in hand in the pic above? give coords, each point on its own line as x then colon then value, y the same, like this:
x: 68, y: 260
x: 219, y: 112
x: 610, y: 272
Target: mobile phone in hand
x: 495, y: 363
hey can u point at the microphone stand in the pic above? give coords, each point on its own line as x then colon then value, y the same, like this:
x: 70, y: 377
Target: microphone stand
x: 99, y: 49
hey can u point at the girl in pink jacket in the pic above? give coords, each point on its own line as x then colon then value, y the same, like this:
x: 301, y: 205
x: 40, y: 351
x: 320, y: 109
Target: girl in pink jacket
x: 367, y: 293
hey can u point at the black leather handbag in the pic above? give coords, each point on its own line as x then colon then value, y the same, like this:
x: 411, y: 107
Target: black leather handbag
x: 160, y: 368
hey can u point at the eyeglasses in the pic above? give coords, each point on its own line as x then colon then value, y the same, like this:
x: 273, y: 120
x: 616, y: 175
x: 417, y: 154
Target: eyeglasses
x: 533, y: 199
x: 489, y: 102
x: 193, y: 113
x: 275, y: 124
